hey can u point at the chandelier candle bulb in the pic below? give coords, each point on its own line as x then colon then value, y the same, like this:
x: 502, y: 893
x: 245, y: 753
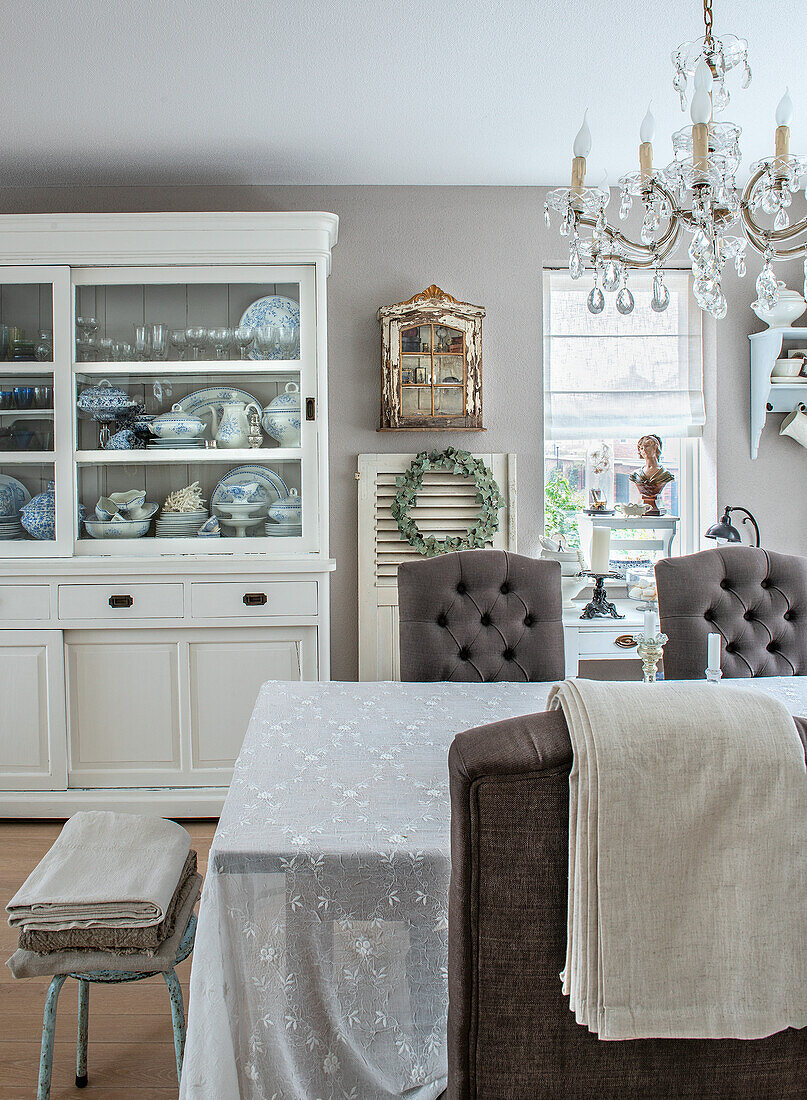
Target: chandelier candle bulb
x: 600, y: 550
x: 784, y: 118
x: 647, y: 131
x: 581, y: 149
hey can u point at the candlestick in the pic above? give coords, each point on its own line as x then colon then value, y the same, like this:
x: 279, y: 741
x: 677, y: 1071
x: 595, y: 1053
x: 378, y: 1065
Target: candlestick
x: 650, y: 650
x: 600, y: 550
x: 650, y: 624
x: 600, y: 606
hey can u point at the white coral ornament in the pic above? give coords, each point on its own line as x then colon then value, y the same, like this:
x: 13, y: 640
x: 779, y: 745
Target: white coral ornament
x: 189, y: 499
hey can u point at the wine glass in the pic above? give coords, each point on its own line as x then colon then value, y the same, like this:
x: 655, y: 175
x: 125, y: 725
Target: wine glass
x: 179, y: 340
x: 266, y: 338
x: 286, y: 338
x: 159, y: 342
x: 222, y: 341
x: 243, y: 336
x: 142, y: 342
x: 105, y: 345
x: 197, y: 340
x: 44, y: 346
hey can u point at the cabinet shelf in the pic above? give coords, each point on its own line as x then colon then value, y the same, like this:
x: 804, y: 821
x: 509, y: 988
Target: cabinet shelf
x: 205, y: 367
x: 189, y: 457
x: 26, y: 458
x: 768, y: 396
x: 28, y: 414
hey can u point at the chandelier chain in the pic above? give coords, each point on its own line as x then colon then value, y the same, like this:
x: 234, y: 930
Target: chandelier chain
x: 707, y: 18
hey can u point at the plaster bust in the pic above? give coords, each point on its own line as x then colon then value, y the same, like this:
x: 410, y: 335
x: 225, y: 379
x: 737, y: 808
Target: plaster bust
x: 652, y: 478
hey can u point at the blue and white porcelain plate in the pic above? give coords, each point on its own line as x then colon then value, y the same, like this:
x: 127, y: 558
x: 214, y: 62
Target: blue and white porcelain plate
x: 272, y: 310
x: 273, y: 485
x: 13, y: 496
x: 216, y: 396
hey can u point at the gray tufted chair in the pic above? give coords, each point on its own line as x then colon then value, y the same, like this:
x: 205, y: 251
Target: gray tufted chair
x: 755, y: 599
x: 481, y: 616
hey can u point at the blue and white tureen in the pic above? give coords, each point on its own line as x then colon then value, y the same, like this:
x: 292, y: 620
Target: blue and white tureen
x: 103, y: 398
x: 38, y: 517
x: 281, y: 417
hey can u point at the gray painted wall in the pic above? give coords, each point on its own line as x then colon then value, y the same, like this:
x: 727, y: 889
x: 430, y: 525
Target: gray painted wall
x: 488, y: 246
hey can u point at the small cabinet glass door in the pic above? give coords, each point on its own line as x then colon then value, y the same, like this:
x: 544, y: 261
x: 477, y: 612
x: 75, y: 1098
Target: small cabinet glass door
x: 195, y: 410
x: 34, y: 411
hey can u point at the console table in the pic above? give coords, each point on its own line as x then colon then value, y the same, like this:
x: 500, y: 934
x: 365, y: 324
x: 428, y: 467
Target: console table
x: 596, y: 639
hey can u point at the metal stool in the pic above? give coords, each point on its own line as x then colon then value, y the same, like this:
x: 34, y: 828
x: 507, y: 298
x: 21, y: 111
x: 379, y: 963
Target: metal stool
x: 108, y: 977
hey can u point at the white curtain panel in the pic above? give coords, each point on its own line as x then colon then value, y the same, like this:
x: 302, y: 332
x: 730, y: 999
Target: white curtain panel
x: 612, y: 376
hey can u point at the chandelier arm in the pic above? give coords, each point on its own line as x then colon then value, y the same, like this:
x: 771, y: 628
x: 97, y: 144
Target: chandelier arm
x: 765, y: 240
x: 645, y: 255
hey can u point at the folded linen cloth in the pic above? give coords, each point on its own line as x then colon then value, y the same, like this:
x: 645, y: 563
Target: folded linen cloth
x: 119, y: 939
x: 29, y: 964
x: 687, y: 861
x: 103, y: 869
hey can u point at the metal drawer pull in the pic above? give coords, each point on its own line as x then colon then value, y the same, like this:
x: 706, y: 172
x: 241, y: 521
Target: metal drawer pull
x: 121, y: 601
x: 625, y: 641
x: 254, y: 599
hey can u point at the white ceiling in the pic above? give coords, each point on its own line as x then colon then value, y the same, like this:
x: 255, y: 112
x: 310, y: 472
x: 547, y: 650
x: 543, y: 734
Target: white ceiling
x: 354, y: 92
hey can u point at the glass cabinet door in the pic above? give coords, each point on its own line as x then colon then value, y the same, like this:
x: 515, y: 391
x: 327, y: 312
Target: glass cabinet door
x: 195, y: 409
x: 35, y: 497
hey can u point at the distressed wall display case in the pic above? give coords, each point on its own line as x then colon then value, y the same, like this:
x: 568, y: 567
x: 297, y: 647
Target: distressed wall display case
x: 132, y: 651
x: 431, y: 364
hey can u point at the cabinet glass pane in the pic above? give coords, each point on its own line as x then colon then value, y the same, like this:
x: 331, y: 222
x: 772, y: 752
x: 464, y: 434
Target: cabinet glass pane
x: 193, y: 321
x: 416, y: 400
x: 416, y: 339
x: 448, y: 401
x: 27, y: 509
x: 242, y: 496
x: 448, y: 339
x: 26, y: 410
x: 26, y: 322
x: 448, y: 369
x: 416, y: 370
x: 120, y: 410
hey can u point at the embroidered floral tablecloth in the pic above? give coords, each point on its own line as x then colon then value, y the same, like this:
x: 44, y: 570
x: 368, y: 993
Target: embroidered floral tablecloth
x: 320, y: 967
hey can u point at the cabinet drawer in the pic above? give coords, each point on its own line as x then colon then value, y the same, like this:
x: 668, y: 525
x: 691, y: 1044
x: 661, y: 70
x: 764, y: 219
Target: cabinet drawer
x: 602, y: 643
x: 258, y: 599
x: 24, y: 601
x: 121, y: 601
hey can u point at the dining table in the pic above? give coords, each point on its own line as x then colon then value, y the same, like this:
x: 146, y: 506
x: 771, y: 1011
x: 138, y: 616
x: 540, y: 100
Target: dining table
x: 320, y: 970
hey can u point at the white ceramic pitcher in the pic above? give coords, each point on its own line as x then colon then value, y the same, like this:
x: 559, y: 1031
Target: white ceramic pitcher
x: 233, y: 428
x: 795, y: 425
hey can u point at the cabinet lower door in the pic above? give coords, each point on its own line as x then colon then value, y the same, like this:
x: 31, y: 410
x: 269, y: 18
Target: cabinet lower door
x: 166, y: 708
x: 32, y: 716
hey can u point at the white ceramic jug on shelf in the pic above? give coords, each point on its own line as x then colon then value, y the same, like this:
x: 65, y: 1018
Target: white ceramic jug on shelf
x: 233, y: 428
x: 795, y: 425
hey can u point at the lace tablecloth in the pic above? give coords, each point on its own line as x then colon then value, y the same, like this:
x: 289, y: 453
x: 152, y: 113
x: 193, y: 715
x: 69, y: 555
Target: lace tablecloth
x: 320, y: 967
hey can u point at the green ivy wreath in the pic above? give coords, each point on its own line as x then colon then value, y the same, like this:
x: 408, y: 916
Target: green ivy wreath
x: 487, y: 494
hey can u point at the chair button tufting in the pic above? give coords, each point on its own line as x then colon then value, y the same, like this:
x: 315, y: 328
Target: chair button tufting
x: 771, y: 647
x: 461, y: 588
x: 708, y: 615
x: 528, y: 620
x: 442, y: 620
x: 485, y: 620
x: 465, y: 654
x: 765, y: 584
x: 789, y: 616
x: 730, y: 647
x: 505, y: 588
x: 749, y: 618
x: 724, y: 583
x: 509, y: 655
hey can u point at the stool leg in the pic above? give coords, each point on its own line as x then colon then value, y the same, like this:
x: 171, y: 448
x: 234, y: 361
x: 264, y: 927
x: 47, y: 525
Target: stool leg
x: 81, y: 1039
x: 48, y: 1031
x: 177, y: 1016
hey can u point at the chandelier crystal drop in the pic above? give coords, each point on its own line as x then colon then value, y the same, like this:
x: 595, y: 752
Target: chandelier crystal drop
x: 696, y: 194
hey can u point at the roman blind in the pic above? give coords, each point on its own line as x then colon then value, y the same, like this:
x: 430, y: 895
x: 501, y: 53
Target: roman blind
x: 611, y: 376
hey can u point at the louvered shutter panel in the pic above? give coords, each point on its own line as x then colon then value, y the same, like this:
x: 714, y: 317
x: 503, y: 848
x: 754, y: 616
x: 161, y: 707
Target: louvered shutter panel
x: 446, y: 506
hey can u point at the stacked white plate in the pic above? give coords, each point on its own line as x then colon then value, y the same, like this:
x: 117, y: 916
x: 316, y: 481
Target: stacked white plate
x: 284, y: 530
x: 179, y: 525
x: 183, y: 444
x: 10, y: 528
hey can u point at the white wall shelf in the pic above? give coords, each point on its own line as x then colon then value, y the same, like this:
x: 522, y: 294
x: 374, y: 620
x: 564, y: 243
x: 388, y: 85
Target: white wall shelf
x: 768, y: 396
x: 188, y: 457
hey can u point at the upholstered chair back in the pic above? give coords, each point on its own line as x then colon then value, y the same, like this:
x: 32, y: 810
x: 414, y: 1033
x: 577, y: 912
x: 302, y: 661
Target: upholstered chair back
x: 480, y: 616
x: 755, y: 599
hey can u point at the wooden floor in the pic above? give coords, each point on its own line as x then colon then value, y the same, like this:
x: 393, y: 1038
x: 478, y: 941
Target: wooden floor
x: 131, y: 1051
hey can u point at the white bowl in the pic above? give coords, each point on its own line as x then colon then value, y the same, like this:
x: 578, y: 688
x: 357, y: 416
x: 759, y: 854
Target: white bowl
x: 117, y: 529
x: 129, y: 501
x: 787, y: 368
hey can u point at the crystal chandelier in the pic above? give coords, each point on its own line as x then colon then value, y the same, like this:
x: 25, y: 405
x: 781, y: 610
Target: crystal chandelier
x: 696, y: 193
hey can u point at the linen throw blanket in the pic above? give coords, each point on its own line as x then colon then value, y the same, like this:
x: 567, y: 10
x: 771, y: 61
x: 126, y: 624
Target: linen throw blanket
x: 687, y: 861
x: 104, y: 869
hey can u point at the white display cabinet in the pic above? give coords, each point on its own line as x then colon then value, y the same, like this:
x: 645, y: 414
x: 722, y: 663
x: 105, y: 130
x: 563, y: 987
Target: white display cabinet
x: 132, y: 664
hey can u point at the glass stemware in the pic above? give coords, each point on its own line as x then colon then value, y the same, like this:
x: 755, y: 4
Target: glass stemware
x: 197, y: 340
x: 142, y: 342
x: 179, y: 340
x: 243, y: 336
x: 159, y: 342
x: 44, y: 346
x: 286, y: 339
x: 105, y: 349
x: 222, y: 341
x: 266, y: 339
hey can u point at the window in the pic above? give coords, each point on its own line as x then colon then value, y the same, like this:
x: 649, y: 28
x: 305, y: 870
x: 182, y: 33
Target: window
x: 610, y: 379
